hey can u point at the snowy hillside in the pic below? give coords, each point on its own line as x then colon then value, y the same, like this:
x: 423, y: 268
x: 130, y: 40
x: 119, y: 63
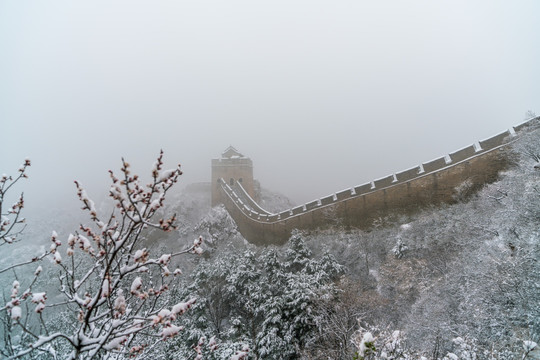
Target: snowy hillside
x: 458, y: 281
x: 466, y: 271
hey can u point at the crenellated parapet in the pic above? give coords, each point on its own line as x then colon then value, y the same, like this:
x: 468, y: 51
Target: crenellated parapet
x: 433, y: 182
x: 235, y: 168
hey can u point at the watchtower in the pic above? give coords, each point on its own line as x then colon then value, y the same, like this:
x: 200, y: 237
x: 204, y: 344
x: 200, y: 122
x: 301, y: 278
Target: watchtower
x: 233, y: 167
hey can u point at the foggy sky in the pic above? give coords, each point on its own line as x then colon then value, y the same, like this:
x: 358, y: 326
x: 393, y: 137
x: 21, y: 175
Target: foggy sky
x: 322, y: 95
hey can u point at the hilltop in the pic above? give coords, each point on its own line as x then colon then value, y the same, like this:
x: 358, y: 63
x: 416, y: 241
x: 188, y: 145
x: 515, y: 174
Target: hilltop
x: 467, y: 270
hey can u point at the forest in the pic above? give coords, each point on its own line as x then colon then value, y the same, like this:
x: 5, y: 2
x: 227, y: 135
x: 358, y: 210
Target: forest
x: 155, y: 272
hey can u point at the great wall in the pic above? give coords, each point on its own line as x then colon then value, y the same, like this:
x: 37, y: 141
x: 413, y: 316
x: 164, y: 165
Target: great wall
x: 442, y: 180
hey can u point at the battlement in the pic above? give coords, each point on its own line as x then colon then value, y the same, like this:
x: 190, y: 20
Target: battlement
x: 431, y: 182
x: 233, y: 168
x: 232, y: 162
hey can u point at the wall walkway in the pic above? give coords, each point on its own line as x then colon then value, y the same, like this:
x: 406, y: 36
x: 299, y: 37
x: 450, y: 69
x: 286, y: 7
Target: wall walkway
x: 442, y: 180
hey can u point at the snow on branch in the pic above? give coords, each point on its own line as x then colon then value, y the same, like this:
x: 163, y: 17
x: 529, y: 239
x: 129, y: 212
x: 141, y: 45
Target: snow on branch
x: 11, y: 223
x: 113, y: 285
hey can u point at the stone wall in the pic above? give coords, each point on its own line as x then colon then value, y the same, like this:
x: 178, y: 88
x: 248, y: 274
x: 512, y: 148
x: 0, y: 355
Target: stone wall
x: 433, y: 182
x: 237, y: 170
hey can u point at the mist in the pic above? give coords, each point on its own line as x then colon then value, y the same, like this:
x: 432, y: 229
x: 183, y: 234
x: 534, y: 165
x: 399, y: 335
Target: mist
x: 321, y: 96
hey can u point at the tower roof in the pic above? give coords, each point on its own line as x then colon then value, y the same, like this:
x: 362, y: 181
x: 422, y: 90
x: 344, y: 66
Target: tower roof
x: 230, y: 153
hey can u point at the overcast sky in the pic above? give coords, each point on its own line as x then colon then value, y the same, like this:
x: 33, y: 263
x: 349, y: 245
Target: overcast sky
x: 322, y: 95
